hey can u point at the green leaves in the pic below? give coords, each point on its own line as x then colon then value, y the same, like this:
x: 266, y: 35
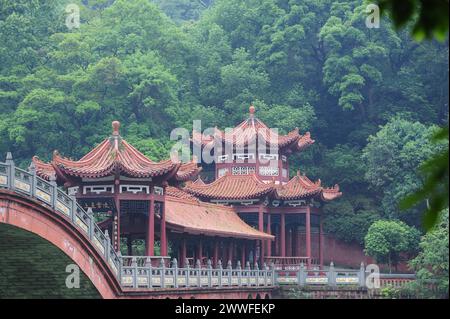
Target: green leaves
x: 435, y: 187
x: 432, y: 262
x: 429, y: 17
x: 386, y: 240
x: 393, y: 157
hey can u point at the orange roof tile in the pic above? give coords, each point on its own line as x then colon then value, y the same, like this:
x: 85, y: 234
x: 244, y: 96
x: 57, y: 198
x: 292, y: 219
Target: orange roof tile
x: 188, y: 171
x: 44, y: 170
x: 247, y: 132
x: 112, y: 155
x: 210, y: 219
x: 231, y: 187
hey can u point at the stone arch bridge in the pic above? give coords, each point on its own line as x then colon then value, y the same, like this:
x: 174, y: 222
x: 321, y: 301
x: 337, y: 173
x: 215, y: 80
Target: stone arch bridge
x: 42, y: 230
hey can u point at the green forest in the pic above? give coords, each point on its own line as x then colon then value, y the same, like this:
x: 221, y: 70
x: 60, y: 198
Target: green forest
x: 372, y: 98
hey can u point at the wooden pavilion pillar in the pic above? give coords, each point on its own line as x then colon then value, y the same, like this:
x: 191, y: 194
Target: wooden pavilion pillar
x: 243, y: 253
x: 116, y: 224
x: 269, y: 231
x: 321, y: 240
x: 261, y: 229
x: 282, y: 235
x: 200, y: 250
x: 163, y: 229
x: 230, y: 251
x: 183, y: 254
x: 216, y: 252
x: 150, y: 240
x: 308, y: 234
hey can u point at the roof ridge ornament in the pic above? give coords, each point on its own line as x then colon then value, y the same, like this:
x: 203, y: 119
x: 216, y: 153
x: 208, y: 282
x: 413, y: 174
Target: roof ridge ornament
x: 252, y: 110
x: 116, y: 128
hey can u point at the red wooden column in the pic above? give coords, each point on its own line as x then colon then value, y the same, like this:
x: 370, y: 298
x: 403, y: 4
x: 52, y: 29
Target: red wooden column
x: 243, y: 254
x: 183, y: 252
x: 230, y: 251
x: 308, y: 234
x: 116, y: 225
x: 261, y: 229
x: 163, y: 229
x: 200, y: 250
x: 150, y: 240
x: 321, y: 240
x: 216, y: 253
x: 276, y: 245
x: 282, y: 235
x: 269, y: 231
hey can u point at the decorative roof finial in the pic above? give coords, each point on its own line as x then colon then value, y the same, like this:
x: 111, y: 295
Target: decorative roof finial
x: 116, y: 127
x: 251, y: 110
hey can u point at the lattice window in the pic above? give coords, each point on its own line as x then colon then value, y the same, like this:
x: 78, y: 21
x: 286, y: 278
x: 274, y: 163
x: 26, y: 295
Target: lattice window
x: 268, y: 157
x: 134, y: 206
x: 243, y: 156
x: 242, y: 170
x: 268, y: 171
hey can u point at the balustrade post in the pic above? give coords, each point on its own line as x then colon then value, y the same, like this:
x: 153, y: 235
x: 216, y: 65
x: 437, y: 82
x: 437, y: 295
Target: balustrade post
x: 91, y: 225
x: 209, y: 265
x: 135, y: 271
x: 148, y: 266
x: 301, y: 275
x: 362, y: 275
x: 119, y: 269
x: 239, y: 271
x: 175, y: 272
x: 265, y: 273
x: 188, y: 271
x: 248, y: 272
x: 73, y: 208
x: 274, y: 274
x: 257, y: 274
x: 162, y: 271
x: 198, y: 267
x: 11, y: 171
x: 53, y: 191
x: 219, y: 266
x: 32, y: 171
x: 230, y: 272
x: 332, y: 275
x: 107, y: 244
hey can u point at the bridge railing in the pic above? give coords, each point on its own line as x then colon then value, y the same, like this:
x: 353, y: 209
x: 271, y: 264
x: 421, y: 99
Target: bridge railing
x: 148, y: 276
x: 331, y: 277
x: 48, y: 193
x: 132, y: 272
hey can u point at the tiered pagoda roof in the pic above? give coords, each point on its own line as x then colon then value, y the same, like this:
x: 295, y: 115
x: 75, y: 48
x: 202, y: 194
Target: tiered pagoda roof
x: 244, y: 187
x: 185, y: 213
x: 230, y: 187
x: 114, y: 156
x: 251, y: 129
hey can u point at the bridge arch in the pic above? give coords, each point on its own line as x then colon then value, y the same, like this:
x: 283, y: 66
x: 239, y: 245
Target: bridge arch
x: 31, y: 215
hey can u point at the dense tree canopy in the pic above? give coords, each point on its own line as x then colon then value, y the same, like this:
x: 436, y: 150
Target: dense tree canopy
x: 370, y: 97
